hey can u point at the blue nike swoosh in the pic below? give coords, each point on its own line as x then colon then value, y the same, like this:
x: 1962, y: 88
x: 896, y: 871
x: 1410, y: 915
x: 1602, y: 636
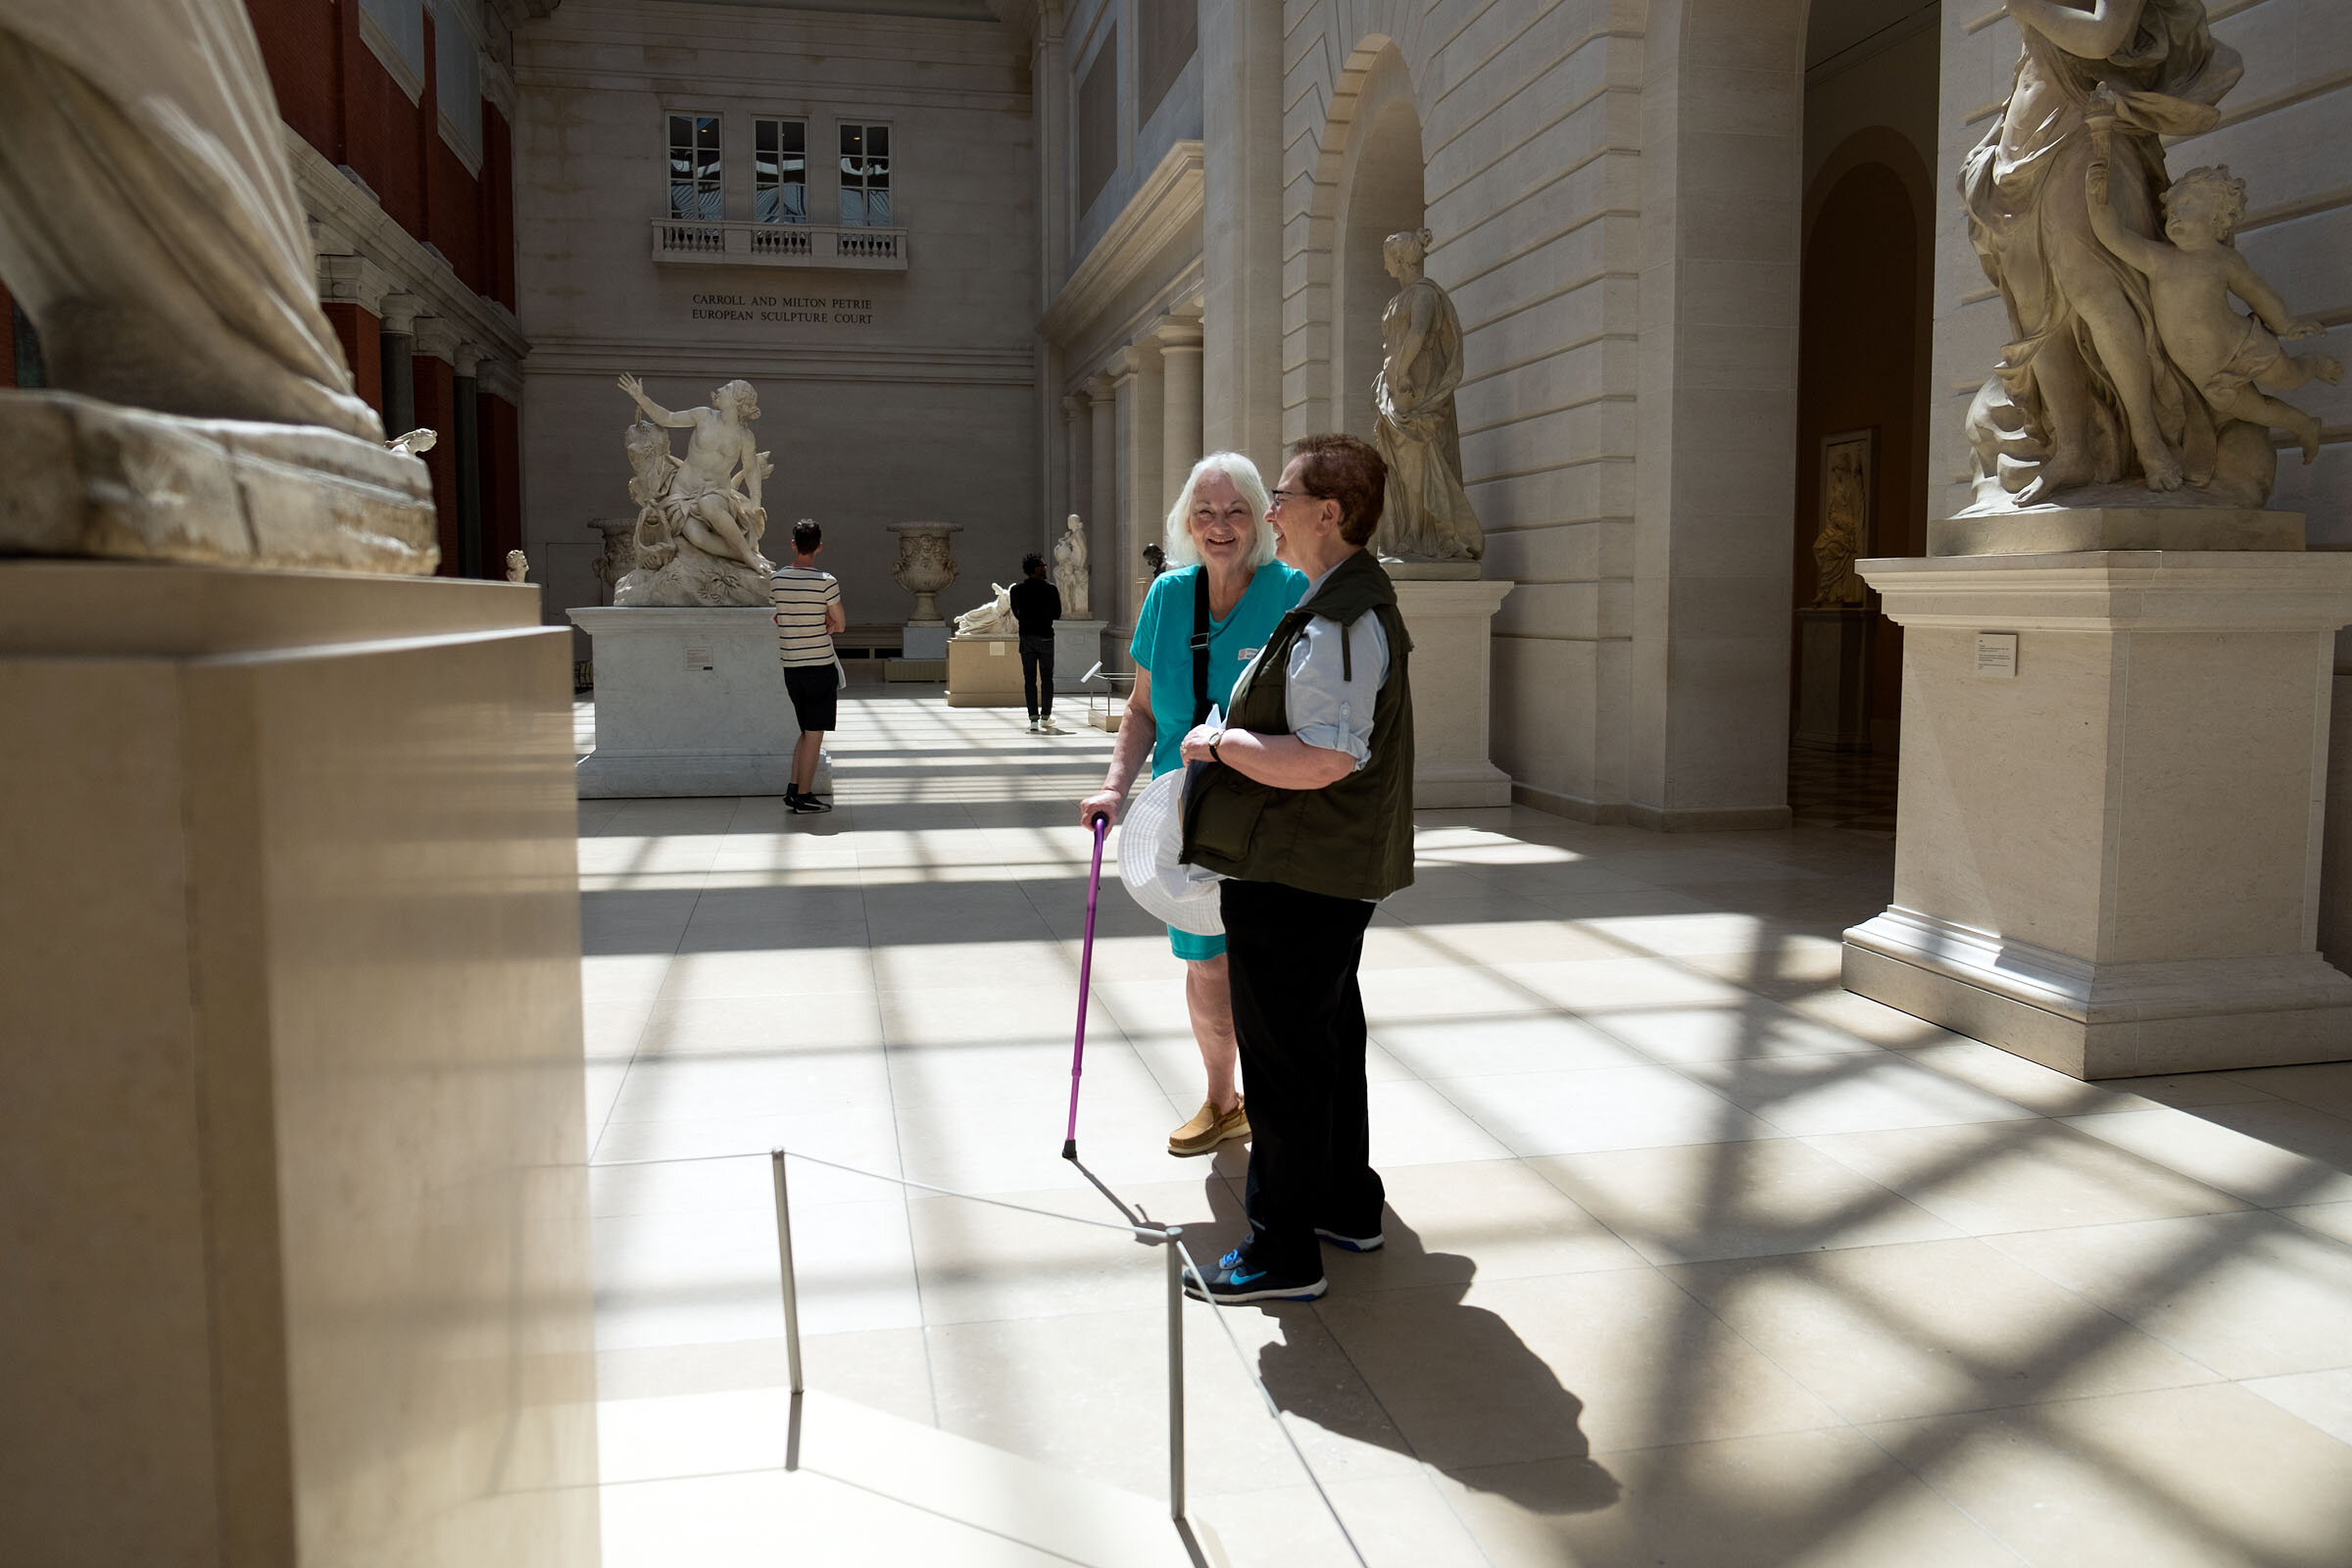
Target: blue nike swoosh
x: 1244, y: 1279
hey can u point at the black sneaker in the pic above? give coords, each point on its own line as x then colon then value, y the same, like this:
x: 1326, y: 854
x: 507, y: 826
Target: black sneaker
x: 1352, y: 1243
x: 799, y: 803
x: 1233, y: 1282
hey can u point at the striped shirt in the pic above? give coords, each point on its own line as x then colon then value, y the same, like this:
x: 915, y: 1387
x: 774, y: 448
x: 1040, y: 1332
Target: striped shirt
x: 801, y: 595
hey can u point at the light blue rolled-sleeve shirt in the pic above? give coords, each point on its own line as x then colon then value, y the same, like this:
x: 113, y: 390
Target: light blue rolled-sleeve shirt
x: 1329, y: 699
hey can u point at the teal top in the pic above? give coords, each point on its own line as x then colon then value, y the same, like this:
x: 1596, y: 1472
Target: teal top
x: 1162, y: 645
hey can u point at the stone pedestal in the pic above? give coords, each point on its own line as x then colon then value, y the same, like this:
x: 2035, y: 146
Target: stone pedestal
x: 688, y: 701
x: 984, y: 671
x: 2108, y: 860
x: 1077, y: 649
x: 1833, y: 679
x: 291, y: 1102
x: 1451, y: 613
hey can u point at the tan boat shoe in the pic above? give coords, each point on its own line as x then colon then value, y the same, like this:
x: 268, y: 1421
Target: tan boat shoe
x: 1206, y: 1130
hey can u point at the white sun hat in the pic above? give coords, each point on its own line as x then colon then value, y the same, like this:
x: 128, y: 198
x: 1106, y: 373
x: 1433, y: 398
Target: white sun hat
x: 1151, y: 834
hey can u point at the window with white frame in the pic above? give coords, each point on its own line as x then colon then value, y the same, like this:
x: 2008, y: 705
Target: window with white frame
x: 866, y: 175
x: 458, y: 68
x: 780, y: 171
x: 694, y: 192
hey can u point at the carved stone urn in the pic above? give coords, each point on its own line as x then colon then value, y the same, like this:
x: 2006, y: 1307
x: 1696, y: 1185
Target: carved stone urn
x: 925, y: 565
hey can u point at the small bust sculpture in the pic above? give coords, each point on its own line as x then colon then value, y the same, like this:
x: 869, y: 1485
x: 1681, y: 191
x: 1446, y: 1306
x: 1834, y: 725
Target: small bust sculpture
x: 994, y: 616
x: 1427, y: 514
x: 1070, y: 568
x: 416, y: 444
x: 518, y: 566
x: 1155, y: 558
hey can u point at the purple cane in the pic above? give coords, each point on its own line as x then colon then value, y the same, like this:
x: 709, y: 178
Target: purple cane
x: 1086, y: 971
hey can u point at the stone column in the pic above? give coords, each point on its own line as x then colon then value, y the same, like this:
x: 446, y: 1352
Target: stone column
x: 1077, y: 436
x: 1102, y: 467
x: 434, y: 388
x: 465, y: 416
x: 1180, y: 405
x: 1241, y: 84
x: 1141, y: 509
x: 397, y: 346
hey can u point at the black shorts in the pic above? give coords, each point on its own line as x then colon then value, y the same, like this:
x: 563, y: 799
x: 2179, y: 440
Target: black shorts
x: 812, y: 691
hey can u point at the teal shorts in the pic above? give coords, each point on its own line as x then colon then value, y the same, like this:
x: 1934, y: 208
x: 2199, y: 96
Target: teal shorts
x: 1196, y: 948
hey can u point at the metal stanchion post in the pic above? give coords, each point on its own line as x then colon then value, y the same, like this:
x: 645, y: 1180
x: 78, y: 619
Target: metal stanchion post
x: 1175, y: 1372
x: 792, y: 1302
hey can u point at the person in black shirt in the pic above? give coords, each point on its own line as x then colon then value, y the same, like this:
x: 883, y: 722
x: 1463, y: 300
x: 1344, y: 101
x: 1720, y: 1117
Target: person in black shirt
x: 1036, y: 606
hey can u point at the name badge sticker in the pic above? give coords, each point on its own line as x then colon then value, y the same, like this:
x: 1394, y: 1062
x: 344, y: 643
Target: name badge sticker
x: 1248, y: 654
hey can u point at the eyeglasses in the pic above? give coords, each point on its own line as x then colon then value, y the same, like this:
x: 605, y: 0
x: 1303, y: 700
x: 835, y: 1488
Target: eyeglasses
x: 1280, y: 496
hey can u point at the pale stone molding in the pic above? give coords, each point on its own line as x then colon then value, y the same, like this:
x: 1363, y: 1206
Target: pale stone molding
x: 399, y: 312
x: 436, y: 338
x: 353, y: 280
x: 1164, y: 209
x: 413, y: 268
x: 499, y: 378
x: 814, y: 362
x: 467, y: 360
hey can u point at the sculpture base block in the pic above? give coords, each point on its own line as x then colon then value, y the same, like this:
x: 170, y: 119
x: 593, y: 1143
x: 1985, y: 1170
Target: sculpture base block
x: 984, y: 671
x: 2109, y: 823
x: 1452, y: 619
x: 1077, y: 649
x: 2064, y: 530
x: 1833, y: 679
x: 290, y: 938
x: 688, y: 702
x: 2103, y: 1021
x: 90, y: 478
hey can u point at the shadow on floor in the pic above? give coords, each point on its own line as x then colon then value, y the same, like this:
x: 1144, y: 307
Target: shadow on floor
x: 1467, y: 1358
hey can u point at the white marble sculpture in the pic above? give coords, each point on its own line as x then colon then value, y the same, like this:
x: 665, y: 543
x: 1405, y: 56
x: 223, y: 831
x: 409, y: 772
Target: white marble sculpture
x: 2121, y: 378
x: 699, y: 518
x: 1427, y: 514
x: 150, y: 230
x: 1069, y: 568
x: 925, y: 565
x: 518, y: 566
x: 416, y: 444
x: 994, y: 617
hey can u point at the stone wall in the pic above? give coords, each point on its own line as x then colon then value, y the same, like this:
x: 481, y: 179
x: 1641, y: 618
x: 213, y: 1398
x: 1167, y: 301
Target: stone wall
x: 917, y: 401
x: 2284, y: 129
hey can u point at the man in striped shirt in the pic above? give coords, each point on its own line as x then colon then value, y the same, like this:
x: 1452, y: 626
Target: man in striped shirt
x: 808, y: 614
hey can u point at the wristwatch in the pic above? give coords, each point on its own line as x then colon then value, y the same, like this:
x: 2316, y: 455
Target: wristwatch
x: 1212, y: 748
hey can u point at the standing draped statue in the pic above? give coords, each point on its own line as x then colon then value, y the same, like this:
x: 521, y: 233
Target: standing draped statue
x: 1069, y: 568
x: 1427, y: 514
x: 2070, y: 208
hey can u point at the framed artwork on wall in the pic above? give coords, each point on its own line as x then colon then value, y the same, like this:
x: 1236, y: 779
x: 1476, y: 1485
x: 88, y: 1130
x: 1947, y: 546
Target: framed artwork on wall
x: 1849, y: 496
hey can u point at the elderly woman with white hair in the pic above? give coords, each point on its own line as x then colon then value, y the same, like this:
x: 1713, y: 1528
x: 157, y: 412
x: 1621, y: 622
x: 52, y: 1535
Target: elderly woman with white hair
x: 1226, y: 589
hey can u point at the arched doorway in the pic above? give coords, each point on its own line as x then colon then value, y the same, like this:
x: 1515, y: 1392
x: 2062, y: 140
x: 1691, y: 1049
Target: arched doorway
x: 1860, y: 481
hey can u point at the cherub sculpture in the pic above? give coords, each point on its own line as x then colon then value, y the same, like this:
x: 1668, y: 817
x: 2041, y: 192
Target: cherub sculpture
x: 700, y: 517
x: 2230, y: 359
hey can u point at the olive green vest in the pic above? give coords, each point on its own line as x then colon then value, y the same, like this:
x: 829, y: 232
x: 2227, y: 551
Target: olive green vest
x: 1349, y: 840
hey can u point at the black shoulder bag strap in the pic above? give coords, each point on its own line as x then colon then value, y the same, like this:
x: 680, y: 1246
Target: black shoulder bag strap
x: 1200, y: 647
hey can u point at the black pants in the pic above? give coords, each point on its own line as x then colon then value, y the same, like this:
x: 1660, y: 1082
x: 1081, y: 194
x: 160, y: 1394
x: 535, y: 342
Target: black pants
x: 1300, y: 1017
x: 1036, y: 674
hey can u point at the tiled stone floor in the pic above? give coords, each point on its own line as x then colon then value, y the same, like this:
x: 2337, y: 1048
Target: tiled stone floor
x: 1694, y: 1258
